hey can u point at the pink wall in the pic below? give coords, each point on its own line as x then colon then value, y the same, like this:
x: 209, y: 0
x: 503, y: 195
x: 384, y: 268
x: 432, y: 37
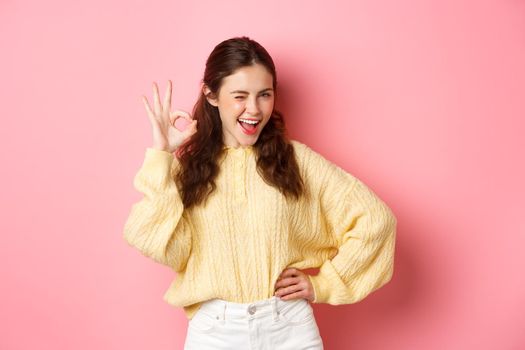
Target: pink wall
x: 423, y: 100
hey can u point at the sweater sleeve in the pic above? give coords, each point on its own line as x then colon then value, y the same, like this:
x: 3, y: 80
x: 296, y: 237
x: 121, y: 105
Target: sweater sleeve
x: 156, y: 225
x: 364, y: 228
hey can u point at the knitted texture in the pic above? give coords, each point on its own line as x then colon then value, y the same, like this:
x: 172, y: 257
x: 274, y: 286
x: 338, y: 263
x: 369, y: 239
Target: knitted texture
x: 235, y: 245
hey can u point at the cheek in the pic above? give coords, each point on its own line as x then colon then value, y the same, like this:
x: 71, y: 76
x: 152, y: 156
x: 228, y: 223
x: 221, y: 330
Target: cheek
x: 238, y: 106
x: 268, y: 109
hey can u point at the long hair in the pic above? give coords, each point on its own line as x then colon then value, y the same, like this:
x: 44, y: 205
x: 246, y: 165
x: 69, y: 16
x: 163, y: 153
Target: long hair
x: 199, y: 155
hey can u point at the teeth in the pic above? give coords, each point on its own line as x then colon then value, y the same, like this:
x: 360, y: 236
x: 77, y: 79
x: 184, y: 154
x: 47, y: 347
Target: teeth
x: 249, y: 121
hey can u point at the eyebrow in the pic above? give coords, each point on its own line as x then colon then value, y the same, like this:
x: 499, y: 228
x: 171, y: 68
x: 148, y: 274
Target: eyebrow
x: 246, y: 92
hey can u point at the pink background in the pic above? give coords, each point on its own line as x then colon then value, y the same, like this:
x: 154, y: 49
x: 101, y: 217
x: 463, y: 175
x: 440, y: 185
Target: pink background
x: 422, y: 100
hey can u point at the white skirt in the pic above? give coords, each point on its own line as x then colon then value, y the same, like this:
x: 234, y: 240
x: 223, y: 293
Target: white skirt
x: 269, y: 324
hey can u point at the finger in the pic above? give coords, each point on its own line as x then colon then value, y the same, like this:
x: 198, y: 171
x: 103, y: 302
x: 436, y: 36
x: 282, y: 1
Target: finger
x: 151, y: 115
x: 297, y: 295
x: 167, y: 100
x: 156, y: 99
x: 172, y: 120
x: 182, y: 114
x: 290, y: 289
x: 191, y: 129
x: 289, y: 272
x: 174, y: 116
x: 285, y: 282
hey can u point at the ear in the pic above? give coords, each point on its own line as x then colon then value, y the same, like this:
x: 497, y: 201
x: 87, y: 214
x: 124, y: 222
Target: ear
x: 209, y: 95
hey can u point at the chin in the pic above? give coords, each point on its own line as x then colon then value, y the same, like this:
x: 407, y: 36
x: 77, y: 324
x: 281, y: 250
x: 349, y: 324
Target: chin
x: 249, y: 143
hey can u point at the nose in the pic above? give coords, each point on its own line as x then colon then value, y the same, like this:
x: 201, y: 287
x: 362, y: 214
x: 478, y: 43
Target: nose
x: 252, y: 107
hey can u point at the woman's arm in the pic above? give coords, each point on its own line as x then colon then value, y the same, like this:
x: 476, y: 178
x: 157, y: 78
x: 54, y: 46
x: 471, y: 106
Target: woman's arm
x: 156, y: 225
x: 364, y: 228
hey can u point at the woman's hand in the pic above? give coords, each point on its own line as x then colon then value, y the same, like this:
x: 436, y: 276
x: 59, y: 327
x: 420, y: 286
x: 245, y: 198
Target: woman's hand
x: 166, y: 136
x: 294, y: 284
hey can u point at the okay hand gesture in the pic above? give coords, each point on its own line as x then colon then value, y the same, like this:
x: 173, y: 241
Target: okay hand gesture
x: 166, y: 136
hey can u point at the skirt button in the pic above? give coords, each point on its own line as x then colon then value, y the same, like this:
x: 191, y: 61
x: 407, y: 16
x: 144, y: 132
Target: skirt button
x: 251, y: 309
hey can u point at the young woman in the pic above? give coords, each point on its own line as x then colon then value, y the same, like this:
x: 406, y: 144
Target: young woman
x: 240, y: 210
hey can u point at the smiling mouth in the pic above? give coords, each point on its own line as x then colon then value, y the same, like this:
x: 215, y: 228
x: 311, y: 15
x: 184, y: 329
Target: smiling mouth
x: 248, y: 125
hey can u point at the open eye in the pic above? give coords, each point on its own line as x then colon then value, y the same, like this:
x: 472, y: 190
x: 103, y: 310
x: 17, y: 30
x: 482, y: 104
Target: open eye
x: 267, y: 94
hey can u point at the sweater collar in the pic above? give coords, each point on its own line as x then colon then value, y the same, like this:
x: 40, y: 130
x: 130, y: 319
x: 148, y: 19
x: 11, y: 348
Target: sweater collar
x: 239, y: 149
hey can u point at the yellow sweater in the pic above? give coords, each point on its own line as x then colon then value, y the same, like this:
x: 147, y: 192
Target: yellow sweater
x: 235, y: 246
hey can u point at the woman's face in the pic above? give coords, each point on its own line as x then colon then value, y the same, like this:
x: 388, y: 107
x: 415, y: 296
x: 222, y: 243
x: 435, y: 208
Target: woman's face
x: 245, y: 104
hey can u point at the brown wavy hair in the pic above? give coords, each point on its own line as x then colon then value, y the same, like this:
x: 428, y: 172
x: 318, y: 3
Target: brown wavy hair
x: 198, y: 157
